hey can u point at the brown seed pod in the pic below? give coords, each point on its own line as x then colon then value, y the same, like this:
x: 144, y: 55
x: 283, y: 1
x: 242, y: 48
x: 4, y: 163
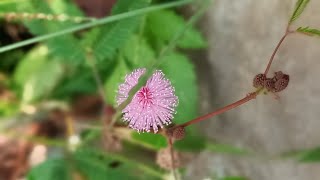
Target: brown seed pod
x: 278, y: 75
x: 258, y: 80
x: 164, y: 159
x: 269, y: 84
x: 281, y: 84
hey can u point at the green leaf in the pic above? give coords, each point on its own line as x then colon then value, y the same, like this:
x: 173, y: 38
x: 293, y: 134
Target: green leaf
x: 165, y: 24
x: 137, y: 53
x: 192, y: 141
x: 32, y: 62
x: 114, y: 36
x: 179, y: 70
x: 43, y: 81
x: 309, y: 31
x: 312, y: 155
x: 66, y: 47
x: 52, y: 169
x: 225, y: 148
x: 95, y: 165
x: 150, y: 140
x: 300, y: 5
x: 82, y: 84
x: 111, y: 84
x: 8, y: 108
x: 37, y: 75
x: 127, y: 5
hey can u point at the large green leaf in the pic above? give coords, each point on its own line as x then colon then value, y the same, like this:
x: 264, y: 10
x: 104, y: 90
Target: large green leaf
x: 149, y: 140
x: 32, y: 62
x: 179, y: 70
x: 51, y: 169
x: 43, y: 81
x: 165, y: 24
x: 37, y: 75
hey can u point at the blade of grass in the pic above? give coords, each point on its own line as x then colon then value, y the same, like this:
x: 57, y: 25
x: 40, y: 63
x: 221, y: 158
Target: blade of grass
x: 95, y: 23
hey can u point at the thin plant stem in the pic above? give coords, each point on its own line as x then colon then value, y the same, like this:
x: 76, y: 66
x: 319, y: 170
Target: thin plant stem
x: 47, y: 17
x: 249, y: 97
x: 170, y: 142
x: 277, y: 48
x: 92, y: 63
x: 95, y: 23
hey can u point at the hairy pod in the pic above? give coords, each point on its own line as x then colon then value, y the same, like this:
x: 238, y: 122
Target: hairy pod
x: 258, y: 80
x: 269, y: 84
x: 282, y: 83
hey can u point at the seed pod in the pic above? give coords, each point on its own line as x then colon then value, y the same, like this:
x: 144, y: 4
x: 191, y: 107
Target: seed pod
x: 282, y: 83
x: 278, y: 75
x: 269, y: 84
x: 258, y: 80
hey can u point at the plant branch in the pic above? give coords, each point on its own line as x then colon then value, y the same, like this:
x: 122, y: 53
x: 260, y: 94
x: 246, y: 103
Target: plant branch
x: 174, y: 172
x: 276, y: 50
x: 41, y: 16
x: 95, y: 73
x: 249, y: 97
x: 95, y: 23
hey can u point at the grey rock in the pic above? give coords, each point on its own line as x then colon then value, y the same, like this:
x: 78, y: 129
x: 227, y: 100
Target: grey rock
x: 242, y: 36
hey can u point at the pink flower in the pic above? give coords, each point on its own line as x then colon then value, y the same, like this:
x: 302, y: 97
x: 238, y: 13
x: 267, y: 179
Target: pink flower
x: 152, y: 106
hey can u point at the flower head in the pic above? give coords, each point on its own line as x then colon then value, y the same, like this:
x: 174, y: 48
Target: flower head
x: 152, y: 106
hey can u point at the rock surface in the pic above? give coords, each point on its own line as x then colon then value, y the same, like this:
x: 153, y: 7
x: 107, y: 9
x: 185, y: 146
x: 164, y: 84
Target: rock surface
x: 242, y: 35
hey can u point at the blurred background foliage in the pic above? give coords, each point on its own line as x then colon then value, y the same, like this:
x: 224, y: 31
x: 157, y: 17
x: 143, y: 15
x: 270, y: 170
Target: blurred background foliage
x: 49, y: 90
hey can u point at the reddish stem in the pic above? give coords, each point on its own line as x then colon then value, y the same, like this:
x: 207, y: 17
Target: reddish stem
x: 276, y: 49
x: 249, y: 97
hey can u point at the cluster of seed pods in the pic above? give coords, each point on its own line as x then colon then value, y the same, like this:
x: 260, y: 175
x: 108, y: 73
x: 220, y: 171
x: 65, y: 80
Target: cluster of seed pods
x: 275, y: 84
